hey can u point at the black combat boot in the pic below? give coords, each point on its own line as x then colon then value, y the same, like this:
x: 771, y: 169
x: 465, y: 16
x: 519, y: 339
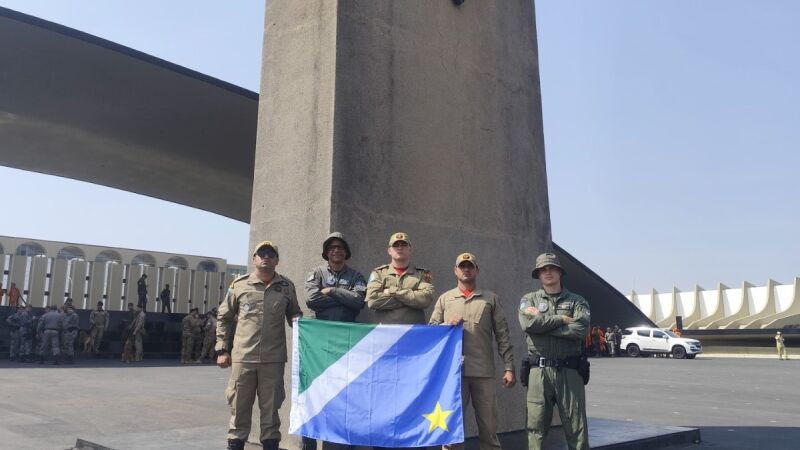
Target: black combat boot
x: 235, y: 444
x: 270, y: 444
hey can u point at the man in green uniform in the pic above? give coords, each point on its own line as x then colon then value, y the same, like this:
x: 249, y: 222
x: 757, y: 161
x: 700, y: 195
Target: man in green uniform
x: 255, y: 348
x: 555, y: 321
x: 190, y: 329
x: 399, y: 292
x: 98, y: 320
x: 482, y: 315
x: 138, y: 332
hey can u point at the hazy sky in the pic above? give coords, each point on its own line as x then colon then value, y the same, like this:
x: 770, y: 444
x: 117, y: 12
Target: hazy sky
x: 671, y: 129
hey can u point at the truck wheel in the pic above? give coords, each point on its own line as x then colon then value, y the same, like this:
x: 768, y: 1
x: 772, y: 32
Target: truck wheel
x: 633, y: 351
x: 678, y: 352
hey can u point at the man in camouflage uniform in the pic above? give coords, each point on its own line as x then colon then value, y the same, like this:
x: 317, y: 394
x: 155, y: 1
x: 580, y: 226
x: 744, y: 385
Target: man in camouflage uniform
x: 26, y: 332
x: 482, y: 315
x: 334, y: 291
x: 69, y: 332
x: 49, y: 328
x: 14, y: 322
x: 399, y: 292
x: 138, y: 332
x: 98, y: 320
x: 556, y: 322
x: 209, y: 338
x: 190, y: 328
x: 258, y: 304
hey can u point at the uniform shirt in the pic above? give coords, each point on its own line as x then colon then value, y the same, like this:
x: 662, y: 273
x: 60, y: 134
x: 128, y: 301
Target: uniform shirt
x: 483, y: 317
x: 69, y: 322
x: 164, y: 296
x: 14, y: 320
x: 137, y: 325
x: 99, y: 319
x: 346, y: 299
x: 259, y: 312
x: 141, y: 287
x: 50, y: 321
x: 779, y: 340
x: 399, y: 298
x: 547, y: 334
x: 209, y: 329
x: 190, y: 325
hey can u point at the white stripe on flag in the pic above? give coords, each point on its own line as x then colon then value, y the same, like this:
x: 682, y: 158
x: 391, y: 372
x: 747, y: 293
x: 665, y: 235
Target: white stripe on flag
x: 329, y: 384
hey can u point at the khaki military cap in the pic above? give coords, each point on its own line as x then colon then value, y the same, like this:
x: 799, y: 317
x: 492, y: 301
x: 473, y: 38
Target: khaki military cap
x: 468, y: 257
x: 547, y: 259
x: 399, y: 237
x: 265, y: 244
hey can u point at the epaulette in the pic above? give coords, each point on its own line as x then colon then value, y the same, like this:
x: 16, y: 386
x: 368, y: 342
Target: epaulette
x: 239, y: 278
x: 385, y: 266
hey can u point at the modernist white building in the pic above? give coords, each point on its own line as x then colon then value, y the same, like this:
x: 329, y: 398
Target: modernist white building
x: 47, y: 272
x: 773, y: 305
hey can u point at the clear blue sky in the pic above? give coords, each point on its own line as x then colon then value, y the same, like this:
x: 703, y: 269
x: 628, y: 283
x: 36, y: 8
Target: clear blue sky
x: 671, y: 128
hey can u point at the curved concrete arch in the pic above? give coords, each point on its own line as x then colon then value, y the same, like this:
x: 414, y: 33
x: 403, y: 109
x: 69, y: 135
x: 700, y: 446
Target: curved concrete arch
x: 741, y: 312
x: 717, y: 312
x: 694, y: 312
x: 71, y: 252
x: 668, y: 307
x: 790, y: 316
x: 743, y: 321
x: 30, y: 248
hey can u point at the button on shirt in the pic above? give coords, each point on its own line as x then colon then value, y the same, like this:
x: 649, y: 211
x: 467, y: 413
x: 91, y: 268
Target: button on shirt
x: 483, y: 319
x: 259, y: 312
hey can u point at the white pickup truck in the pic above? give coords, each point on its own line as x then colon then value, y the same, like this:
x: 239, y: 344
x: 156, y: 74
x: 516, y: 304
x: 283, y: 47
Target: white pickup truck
x: 642, y: 341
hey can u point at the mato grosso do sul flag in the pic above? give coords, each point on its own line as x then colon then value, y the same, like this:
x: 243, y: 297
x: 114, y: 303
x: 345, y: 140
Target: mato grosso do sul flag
x: 377, y: 385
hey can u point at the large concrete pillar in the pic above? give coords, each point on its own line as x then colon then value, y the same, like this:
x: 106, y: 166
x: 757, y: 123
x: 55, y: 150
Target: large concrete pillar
x: 420, y: 116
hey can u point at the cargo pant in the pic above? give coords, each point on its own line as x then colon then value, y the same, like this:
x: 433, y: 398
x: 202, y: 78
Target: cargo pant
x: 248, y: 380
x: 187, y: 345
x: 208, y: 349
x: 483, y: 393
x: 13, y: 349
x: 49, y: 343
x: 97, y: 338
x: 137, y: 346
x: 68, y: 342
x: 25, y: 345
x: 782, y: 353
x: 564, y: 388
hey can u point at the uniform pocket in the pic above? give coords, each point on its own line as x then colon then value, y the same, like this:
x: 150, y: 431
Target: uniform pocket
x: 480, y: 308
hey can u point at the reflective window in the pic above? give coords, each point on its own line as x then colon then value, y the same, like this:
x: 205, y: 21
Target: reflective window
x: 108, y: 256
x: 207, y: 266
x: 70, y: 253
x: 643, y: 333
x: 177, y: 262
x: 659, y: 334
x: 30, y: 249
x: 143, y: 259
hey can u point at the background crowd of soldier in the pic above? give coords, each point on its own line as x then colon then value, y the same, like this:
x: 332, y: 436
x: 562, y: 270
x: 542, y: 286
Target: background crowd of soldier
x: 198, y: 334
x: 50, y: 335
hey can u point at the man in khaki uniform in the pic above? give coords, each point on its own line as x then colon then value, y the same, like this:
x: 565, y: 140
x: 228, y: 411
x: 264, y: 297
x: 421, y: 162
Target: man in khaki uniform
x: 190, y: 328
x: 399, y: 292
x: 137, y: 332
x: 98, y: 320
x: 257, y: 304
x: 482, y: 315
x: 556, y: 322
x: 781, y: 346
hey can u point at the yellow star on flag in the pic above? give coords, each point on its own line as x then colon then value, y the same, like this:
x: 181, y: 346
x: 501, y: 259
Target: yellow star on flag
x: 438, y: 418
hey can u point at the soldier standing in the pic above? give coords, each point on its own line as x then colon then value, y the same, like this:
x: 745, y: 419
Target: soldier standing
x: 334, y: 291
x: 99, y: 322
x: 209, y: 338
x: 556, y: 322
x: 482, y: 315
x: 14, y: 322
x: 399, y: 292
x: 258, y: 303
x: 69, y: 333
x: 137, y: 332
x: 189, y: 329
x: 166, y: 301
x: 141, y: 290
x: 781, y: 346
x: 49, y: 329
x: 26, y: 335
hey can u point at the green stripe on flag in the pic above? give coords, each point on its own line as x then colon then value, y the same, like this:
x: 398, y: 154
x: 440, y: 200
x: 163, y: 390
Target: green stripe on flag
x: 324, y: 342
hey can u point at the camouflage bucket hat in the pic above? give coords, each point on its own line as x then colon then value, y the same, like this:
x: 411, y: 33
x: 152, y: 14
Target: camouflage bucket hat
x: 327, y: 242
x: 547, y: 259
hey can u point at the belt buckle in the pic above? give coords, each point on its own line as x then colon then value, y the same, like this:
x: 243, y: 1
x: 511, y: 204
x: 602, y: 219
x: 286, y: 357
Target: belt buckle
x: 542, y: 363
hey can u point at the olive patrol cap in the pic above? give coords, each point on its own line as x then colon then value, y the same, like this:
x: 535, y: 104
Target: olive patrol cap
x: 399, y: 237
x: 468, y: 257
x: 546, y: 259
x: 265, y: 244
x: 327, y: 242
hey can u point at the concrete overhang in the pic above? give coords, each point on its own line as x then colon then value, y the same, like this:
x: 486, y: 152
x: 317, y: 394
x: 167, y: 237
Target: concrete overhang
x: 81, y: 107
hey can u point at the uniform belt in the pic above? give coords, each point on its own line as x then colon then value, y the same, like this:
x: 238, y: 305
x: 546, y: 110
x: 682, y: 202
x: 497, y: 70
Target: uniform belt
x: 541, y: 362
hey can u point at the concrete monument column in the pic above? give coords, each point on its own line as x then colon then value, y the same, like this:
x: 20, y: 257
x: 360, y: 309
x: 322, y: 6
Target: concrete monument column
x: 420, y: 116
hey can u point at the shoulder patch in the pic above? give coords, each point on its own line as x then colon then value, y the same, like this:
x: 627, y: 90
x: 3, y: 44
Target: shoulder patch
x: 426, y: 276
x: 523, y: 304
x: 310, y: 277
x: 373, y: 276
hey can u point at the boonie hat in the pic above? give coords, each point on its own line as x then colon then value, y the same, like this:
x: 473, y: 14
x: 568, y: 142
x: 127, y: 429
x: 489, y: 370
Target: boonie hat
x: 468, y: 257
x: 327, y: 242
x: 547, y: 259
x: 399, y: 237
x: 265, y: 244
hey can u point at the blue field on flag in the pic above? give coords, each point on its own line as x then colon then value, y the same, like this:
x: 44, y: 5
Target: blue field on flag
x: 377, y: 385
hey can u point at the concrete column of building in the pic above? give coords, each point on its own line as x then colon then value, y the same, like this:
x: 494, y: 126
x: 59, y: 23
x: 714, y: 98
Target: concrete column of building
x: 418, y: 116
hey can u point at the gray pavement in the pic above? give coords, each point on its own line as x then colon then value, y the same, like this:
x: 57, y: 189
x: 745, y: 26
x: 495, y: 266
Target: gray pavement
x: 737, y: 403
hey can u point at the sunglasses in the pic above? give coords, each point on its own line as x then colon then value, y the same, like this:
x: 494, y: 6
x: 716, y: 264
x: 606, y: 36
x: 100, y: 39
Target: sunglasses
x: 399, y: 244
x: 266, y: 253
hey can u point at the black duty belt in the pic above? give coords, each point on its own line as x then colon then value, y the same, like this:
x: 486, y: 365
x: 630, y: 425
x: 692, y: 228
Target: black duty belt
x: 567, y: 363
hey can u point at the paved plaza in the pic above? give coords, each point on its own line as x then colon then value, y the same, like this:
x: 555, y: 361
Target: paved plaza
x: 737, y: 403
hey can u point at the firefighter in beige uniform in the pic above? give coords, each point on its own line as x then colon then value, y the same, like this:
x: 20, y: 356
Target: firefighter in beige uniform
x: 258, y: 304
x: 483, y: 319
x: 399, y: 292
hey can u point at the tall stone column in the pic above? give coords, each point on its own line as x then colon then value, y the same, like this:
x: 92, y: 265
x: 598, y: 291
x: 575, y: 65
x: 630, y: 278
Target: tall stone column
x: 420, y: 116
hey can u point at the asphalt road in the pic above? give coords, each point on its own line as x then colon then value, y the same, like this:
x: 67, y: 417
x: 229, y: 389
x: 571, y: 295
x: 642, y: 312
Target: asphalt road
x: 737, y: 403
